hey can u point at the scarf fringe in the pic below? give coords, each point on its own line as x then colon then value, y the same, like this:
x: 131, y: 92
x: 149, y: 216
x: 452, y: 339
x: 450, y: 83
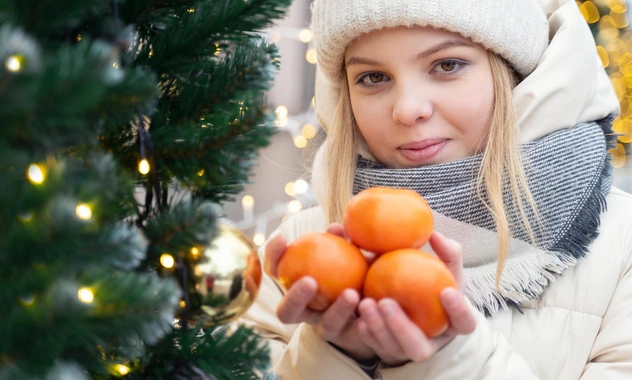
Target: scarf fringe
x: 516, y: 288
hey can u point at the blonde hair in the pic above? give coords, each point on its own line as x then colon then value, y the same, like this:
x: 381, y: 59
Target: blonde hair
x: 501, y: 161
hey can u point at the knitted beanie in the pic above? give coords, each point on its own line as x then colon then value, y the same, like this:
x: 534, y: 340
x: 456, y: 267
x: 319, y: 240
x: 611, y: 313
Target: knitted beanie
x: 517, y: 30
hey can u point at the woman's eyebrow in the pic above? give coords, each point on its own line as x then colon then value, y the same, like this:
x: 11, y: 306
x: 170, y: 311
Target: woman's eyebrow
x: 424, y: 54
x: 442, y: 46
x: 360, y: 61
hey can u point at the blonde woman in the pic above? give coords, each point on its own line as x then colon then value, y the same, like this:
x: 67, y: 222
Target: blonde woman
x: 498, y: 112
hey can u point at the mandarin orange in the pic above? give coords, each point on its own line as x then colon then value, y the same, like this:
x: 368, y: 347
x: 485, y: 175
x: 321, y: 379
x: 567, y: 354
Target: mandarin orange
x: 382, y: 219
x: 332, y: 261
x: 415, y: 280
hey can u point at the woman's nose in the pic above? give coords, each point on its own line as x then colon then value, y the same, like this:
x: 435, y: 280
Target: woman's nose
x: 411, y: 106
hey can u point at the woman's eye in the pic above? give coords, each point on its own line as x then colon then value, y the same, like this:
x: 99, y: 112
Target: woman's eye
x: 372, y: 78
x: 447, y: 67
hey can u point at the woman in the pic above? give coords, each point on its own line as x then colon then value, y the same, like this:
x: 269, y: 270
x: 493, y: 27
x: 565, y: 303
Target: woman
x: 505, y: 133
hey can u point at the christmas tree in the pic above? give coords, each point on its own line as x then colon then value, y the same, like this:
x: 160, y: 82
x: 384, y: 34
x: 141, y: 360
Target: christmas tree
x: 124, y: 124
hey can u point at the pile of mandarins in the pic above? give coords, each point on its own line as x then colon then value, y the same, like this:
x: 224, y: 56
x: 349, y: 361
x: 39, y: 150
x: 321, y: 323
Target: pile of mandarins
x: 392, y: 224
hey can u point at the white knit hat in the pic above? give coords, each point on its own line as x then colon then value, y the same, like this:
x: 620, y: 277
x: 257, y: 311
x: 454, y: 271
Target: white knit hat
x: 517, y: 30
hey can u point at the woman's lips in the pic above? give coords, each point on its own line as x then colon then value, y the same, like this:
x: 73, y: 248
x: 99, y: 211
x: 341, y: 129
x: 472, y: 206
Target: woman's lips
x: 422, y: 151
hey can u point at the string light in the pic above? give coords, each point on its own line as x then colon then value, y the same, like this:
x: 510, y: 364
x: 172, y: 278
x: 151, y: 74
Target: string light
x: 247, y: 201
x: 300, y: 186
x: 83, y: 211
x: 200, y: 173
x: 289, y: 189
x: 183, y: 304
x: 13, y: 63
x: 614, y: 42
x: 281, y: 112
x: 36, y: 174
x: 308, y: 131
x: 122, y: 369
x: 259, y: 239
x: 300, y: 141
x: 310, y: 56
x: 305, y: 35
x: 190, y: 10
x: 603, y: 55
x: 25, y: 217
x: 143, y: 166
x: 195, y: 252
x: 85, y: 295
x: 28, y: 300
x: 167, y: 260
x: 590, y: 12
x: 295, y: 206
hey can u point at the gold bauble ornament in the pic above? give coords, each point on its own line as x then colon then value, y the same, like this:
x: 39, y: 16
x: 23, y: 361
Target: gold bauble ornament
x: 225, y: 280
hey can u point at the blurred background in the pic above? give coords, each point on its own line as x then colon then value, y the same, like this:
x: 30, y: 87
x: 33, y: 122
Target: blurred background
x: 280, y: 182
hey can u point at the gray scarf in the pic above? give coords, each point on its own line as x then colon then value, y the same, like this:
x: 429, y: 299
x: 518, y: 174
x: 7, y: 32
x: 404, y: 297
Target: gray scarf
x: 569, y: 175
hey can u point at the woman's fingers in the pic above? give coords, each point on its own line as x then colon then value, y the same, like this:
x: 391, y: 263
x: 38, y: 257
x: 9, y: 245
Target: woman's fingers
x: 338, y: 315
x: 293, y: 307
x: 273, y: 252
x: 378, y: 335
x: 462, y: 320
x: 336, y: 229
x: 414, y: 344
x: 449, y: 251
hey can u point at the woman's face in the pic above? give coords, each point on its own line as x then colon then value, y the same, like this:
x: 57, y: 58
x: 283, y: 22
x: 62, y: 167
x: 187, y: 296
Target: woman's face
x: 420, y: 96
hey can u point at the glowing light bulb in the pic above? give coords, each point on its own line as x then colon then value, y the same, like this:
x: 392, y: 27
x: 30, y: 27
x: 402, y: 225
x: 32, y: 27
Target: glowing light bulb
x: 28, y: 300
x: 122, y: 369
x: 259, y: 239
x: 300, y: 141
x: 143, y: 166
x: 195, y: 252
x: 308, y: 131
x: 300, y: 186
x: 289, y: 189
x: 25, y: 217
x: 190, y: 10
x: 167, y: 260
x: 200, y: 173
x: 13, y: 64
x: 183, y: 304
x: 85, y: 295
x: 305, y: 35
x: 294, y: 206
x: 36, y: 174
x: 310, y: 56
x: 281, y: 112
x: 247, y: 201
x: 83, y: 211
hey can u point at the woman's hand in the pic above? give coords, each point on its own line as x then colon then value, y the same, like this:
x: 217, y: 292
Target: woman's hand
x: 386, y: 329
x: 338, y: 324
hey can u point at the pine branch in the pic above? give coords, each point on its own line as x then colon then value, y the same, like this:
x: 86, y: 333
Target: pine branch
x: 187, y: 225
